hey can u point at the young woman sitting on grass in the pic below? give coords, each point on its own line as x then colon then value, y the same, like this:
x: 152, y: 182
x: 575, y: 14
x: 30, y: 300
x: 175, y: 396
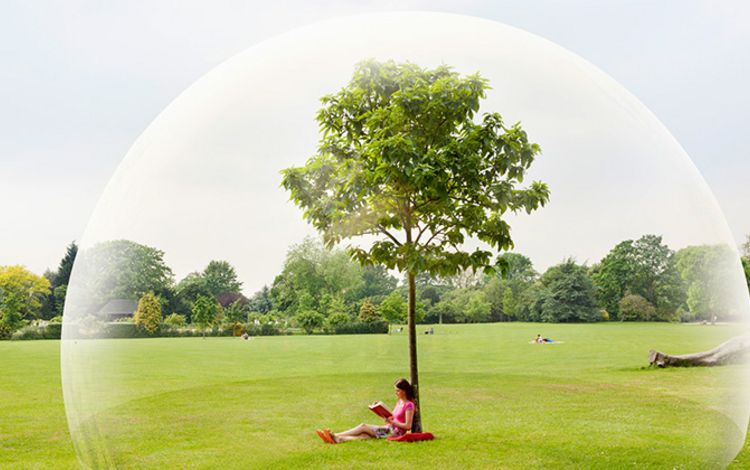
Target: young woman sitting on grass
x: 397, y: 424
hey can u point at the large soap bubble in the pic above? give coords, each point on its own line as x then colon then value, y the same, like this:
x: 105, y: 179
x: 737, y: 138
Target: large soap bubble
x: 202, y: 183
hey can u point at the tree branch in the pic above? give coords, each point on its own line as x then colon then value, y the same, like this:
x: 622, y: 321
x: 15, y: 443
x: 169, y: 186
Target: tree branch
x: 434, y: 234
x: 419, y: 235
x: 386, y: 232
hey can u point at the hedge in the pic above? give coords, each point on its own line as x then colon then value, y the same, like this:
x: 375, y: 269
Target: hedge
x: 361, y: 328
x: 130, y: 330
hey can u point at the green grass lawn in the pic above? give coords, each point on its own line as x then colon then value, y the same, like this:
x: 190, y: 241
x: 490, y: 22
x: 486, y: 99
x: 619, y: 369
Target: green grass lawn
x: 491, y: 399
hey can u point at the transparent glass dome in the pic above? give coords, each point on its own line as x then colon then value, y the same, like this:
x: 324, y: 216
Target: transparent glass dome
x: 203, y: 182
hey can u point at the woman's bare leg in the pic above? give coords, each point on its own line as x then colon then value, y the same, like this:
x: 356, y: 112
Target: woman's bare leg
x: 362, y: 428
x: 339, y: 438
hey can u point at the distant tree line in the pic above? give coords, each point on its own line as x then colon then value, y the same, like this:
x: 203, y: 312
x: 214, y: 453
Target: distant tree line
x: 322, y: 290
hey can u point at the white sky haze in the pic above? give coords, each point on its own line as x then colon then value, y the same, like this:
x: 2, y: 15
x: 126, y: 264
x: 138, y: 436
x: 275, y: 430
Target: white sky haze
x: 80, y: 81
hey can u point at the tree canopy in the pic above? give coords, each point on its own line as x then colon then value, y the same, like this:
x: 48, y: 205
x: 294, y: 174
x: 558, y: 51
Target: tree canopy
x: 21, y: 295
x: 121, y: 269
x: 646, y: 267
x: 401, y: 152
x: 705, y: 270
x: 62, y: 275
x: 220, y: 278
x: 568, y: 294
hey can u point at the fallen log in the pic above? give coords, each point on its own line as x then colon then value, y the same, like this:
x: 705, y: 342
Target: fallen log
x: 733, y: 351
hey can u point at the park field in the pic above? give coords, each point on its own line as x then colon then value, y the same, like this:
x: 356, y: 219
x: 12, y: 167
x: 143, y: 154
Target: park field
x: 492, y: 400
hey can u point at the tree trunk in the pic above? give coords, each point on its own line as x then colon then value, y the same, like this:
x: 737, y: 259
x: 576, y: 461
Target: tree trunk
x: 733, y: 351
x: 414, y: 379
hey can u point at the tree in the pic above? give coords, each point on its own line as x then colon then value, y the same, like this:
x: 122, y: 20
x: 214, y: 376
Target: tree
x: 220, y: 277
x: 569, y: 295
x: 336, y: 306
x: 705, y: 270
x: 120, y: 269
x: 21, y: 296
x: 236, y: 312
x: 506, y: 292
x: 189, y: 289
x: 309, y: 320
x: 148, y: 314
x: 393, y: 308
x: 376, y: 282
x: 402, y: 158
x: 746, y: 268
x: 59, y: 294
x: 463, y: 305
x: 261, y: 301
x: 368, y: 313
x: 205, y: 312
x: 477, y: 308
x: 314, y: 272
x: 62, y: 276
x: 645, y: 267
x: 55, y: 302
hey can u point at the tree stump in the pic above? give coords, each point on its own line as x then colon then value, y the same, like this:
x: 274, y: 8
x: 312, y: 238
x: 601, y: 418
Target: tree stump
x: 733, y: 351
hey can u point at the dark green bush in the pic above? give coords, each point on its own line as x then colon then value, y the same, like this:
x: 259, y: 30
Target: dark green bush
x: 52, y: 331
x: 5, y: 332
x: 362, y: 328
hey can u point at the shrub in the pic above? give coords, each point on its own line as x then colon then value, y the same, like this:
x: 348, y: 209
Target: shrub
x: 309, y: 320
x: 52, y: 331
x: 633, y: 307
x: 368, y: 312
x: 28, y: 332
x: 685, y: 315
x: 5, y: 331
x: 271, y: 329
x: 336, y: 320
x: 148, y: 313
x: 124, y: 330
x: 175, y: 320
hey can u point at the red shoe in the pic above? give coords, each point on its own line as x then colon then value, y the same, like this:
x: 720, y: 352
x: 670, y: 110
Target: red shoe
x: 331, y: 439
x: 323, y: 436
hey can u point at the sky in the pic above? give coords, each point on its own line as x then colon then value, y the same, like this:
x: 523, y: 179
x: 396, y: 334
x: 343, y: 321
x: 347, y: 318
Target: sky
x: 80, y: 81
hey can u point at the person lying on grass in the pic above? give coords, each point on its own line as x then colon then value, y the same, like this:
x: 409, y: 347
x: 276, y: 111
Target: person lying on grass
x: 540, y: 340
x: 397, y: 424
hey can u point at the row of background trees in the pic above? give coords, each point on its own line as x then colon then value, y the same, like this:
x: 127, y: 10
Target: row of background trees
x: 638, y: 280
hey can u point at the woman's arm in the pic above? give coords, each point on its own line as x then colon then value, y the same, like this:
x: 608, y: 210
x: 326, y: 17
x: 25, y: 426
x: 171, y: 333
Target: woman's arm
x: 409, y: 416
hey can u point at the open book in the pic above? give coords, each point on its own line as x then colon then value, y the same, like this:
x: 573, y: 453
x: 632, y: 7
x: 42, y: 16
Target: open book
x: 379, y: 409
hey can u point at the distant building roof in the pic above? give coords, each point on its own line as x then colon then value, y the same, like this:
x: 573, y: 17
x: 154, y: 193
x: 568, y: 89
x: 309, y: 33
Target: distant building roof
x: 228, y: 298
x: 119, y: 307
